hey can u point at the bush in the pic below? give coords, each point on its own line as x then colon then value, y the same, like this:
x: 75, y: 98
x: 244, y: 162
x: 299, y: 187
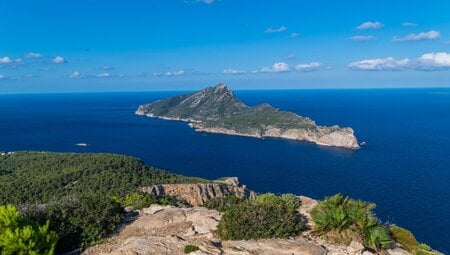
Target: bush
x: 268, y: 216
x: 18, y: 236
x: 190, y: 248
x: 139, y: 200
x: 339, y: 218
x: 424, y: 249
x: 405, y: 238
x: 221, y: 204
x: 81, y: 221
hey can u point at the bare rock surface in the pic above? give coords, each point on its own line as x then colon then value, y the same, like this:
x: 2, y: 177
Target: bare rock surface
x: 167, y: 230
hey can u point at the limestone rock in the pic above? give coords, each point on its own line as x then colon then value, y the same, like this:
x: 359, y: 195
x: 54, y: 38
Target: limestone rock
x: 197, y: 194
x: 297, y: 246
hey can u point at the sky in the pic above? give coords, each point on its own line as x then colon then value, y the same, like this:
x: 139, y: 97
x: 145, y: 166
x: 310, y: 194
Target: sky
x: 142, y: 45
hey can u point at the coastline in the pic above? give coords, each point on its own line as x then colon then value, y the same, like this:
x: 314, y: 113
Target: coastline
x: 196, y: 125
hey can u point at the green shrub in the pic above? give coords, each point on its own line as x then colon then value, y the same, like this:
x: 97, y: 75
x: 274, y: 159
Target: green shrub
x: 339, y: 218
x: 268, y: 216
x: 190, y: 248
x: 81, y: 221
x: 18, y: 236
x: 424, y: 249
x: 405, y: 238
x: 221, y: 204
x: 139, y: 200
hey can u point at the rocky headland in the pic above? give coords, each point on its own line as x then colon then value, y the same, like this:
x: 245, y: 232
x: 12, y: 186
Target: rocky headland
x: 168, y: 230
x: 217, y: 110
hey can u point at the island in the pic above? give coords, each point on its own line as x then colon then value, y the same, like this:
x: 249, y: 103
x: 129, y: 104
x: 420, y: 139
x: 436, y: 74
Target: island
x: 217, y: 110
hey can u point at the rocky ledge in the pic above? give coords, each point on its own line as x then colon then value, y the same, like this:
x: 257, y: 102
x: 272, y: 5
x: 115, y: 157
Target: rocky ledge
x: 217, y: 110
x: 167, y: 230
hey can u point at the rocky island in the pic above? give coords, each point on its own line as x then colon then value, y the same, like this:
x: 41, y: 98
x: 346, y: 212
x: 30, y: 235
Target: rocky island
x: 217, y: 110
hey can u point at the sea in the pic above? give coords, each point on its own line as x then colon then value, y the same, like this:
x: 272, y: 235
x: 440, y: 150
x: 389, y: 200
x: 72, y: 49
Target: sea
x: 404, y: 166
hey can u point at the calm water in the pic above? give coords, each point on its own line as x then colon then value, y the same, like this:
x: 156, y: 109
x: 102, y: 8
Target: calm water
x: 404, y: 168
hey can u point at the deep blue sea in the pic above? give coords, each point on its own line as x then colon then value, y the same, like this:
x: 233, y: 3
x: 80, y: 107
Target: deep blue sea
x: 404, y: 168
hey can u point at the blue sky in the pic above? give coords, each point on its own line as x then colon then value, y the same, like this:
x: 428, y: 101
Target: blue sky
x: 57, y: 46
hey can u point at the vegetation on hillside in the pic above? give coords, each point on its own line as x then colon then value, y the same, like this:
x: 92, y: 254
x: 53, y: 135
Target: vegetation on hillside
x: 82, y: 195
x: 268, y: 216
x: 409, y: 242
x: 20, y: 236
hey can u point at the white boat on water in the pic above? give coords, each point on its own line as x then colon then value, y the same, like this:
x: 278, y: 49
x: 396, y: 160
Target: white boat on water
x: 82, y: 144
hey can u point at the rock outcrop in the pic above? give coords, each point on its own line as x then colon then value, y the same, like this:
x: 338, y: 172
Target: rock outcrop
x: 196, y: 194
x: 217, y: 110
x: 167, y: 230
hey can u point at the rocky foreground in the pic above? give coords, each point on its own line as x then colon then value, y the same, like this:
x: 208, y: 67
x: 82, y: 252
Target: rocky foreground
x: 167, y: 229
x: 217, y: 110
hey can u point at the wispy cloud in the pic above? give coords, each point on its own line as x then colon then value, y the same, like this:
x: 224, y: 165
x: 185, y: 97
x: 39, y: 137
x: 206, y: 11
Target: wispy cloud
x: 75, y: 75
x: 362, y: 38
x: 294, y: 35
x: 409, y: 24
x: 433, y: 61
x: 275, y: 30
x: 58, y: 60
x: 309, y: 67
x: 233, y: 71
x: 370, y: 25
x: 380, y: 64
x: 3, y: 77
x: 175, y: 73
x: 103, y: 75
x: 33, y: 55
x: 278, y: 67
x: 430, y: 35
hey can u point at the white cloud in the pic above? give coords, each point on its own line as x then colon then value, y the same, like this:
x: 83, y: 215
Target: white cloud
x: 279, y: 67
x: 294, y: 35
x: 3, y: 77
x: 275, y: 30
x: 58, y: 60
x: 380, y: 64
x: 409, y: 24
x: 75, y: 75
x: 207, y: 1
x: 5, y: 60
x: 103, y: 75
x: 33, y: 55
x: 370, y: 25
x: 362, y: 38
x: 233, y: 71
x: 433, y: 61
x: 430, y: 35
x: 175, y: 73
x: 309, y: 67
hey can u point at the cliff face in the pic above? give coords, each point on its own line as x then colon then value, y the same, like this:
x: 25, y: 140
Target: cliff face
x: 197, y: 194
x: 216, y: 110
